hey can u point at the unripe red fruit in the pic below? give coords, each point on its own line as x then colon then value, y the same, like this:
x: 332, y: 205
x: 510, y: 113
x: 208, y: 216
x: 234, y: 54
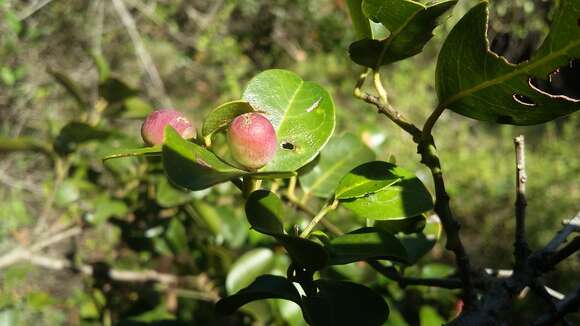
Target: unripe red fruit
x: 153, y: 127
x: 252, y: 140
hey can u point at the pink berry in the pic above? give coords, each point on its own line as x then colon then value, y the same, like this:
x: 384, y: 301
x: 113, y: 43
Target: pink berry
x: 252, y: 140
x: 153, y: 127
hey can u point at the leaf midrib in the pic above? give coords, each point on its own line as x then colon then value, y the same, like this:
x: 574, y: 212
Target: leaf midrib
x: 525, y: 68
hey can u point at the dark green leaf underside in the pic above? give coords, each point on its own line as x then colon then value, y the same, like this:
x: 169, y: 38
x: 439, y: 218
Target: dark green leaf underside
x: 477, y: 83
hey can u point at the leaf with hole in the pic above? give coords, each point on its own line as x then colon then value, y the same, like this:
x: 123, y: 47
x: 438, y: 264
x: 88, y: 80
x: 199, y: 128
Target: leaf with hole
x: 369, y: 178
x: 301, y: 112
x: 364, y: 244
x: 410, y: 24
x: 473, y: 81
x: 339, y: 156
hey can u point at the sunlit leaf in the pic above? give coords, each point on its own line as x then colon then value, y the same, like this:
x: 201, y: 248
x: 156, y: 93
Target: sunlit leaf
x: 473, y: 81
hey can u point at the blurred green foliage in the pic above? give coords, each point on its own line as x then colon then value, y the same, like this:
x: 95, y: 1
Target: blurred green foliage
x: 70, y: 77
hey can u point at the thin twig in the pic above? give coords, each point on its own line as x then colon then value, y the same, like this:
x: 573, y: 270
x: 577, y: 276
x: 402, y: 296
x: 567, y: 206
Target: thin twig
x: 146, y: 61
x: 20, y: 253
x: 32, y: 9
x: 330, y: 206
x: 521, y: 248
x: 301, y: 206
x: 379, y: 87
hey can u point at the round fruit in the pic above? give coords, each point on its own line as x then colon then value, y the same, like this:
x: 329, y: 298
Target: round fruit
x: 252, y: 140
x: 153, y: 127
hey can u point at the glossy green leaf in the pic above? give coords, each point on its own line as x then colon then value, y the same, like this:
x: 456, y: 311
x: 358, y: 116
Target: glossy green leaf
x: 473, y: 81
x: 339, y: 156
x: 264, y: 211
x: 419, y: 244
x: 340, y: 303
x: 360, y: 22
x: 301, y: 112
x: 366, y: 243
x: 221, y: 116
x: 75, y: 133
x: 368, y: 178
x: 405, y: 225
x: 191, y: 166
x: 406, y: 198
x: 248, y: 267
x: 264, y: 287
x: 128, y: 152
x: 411, y: 25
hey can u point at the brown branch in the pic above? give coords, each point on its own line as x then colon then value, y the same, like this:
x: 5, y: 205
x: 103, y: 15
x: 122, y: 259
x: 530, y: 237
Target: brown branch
x: 565, y: 252
x: 521, y: 248
x: 571, y: 303
x: 426, y: 148
x: 392, y: 273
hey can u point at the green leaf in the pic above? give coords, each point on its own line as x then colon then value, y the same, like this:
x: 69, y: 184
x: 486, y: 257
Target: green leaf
x: 368, y: 178
x: 248, y: 267
x: 264, y: 211
x: 360, y: 22
x: 339, y: 156
x: 136, y: 108
x: 473, y: 81
x: 71, y: 87
x: 105, y: 207
x: 67, y: 193
x: 168, y: 195
x: 264, y: 287
x: 405, y: 225
x: 406, y: 198
x: 301, y: 112
x: 221, y: 116
x: 177, y: 236
x: 366, y: 243
x: 419, y: 244
x: 75, y: 133
x: 411, y: 25
x: 129, y: 152
x: 191, y: 166
x: 115, y: 91
x: 339, y: 303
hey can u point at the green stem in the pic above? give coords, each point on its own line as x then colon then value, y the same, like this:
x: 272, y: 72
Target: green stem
x: 330, y: 206
x: 249, y: 184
